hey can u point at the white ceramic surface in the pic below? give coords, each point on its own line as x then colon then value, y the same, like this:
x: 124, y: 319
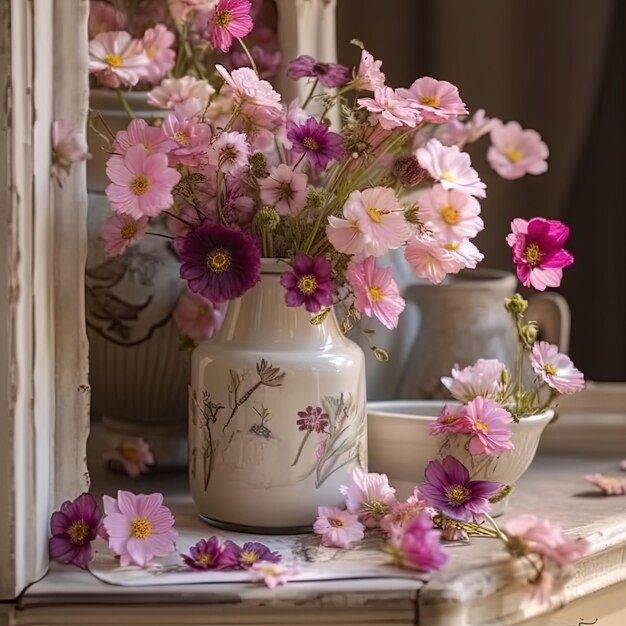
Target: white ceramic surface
x: 251, y: 464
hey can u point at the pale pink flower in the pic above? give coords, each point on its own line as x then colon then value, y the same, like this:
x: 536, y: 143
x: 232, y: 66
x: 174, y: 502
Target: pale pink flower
x: 483, y: 378
x: 230, y: 20
x: 464, y: 252
x: 555, y: 368
x: 430, y: 259
x: 403, y: 512
x: 190, y: 140
x: 104, y: 17
x: 369, y: 76
x: 196, y: 317
x: 247, y: 87
x: 450, y: 420
x: 68, y: 147
x: 121, y: 231
x: 459, y: 133
x: 339, y: 529
x: 450, y: 213
x: 132, y: 456
x: 610, y: 485
x: 284, y: 189
x: 259, y: 123
x: 181, y: 9
x: 157, y: 43
x: 192, y: 109
x: 139, y: 527
x: 490, y: 426
x: 450, y: 166
x: 173, y: 91
x: 369, y: 496
x: 271, y: 574
x: 376, y: 292
x: 229, y: 153
x: 436, y: 100
x: 390, y: 109
x: 139, y: 133
x: 141, y: 184
x: 516, y: 152
x: 117, y: 59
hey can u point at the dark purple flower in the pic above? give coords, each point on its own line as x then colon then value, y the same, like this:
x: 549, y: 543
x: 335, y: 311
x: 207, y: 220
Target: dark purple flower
x: 448, y: 489
x: 312, y: 419
x: 308, y: 282
x: 204, y: 555
x: 73, y: 529
x: 244, y: 557
x: 538, y: 251
x: 219, y: 262
x: 315, y: 141
x: 329, y: 74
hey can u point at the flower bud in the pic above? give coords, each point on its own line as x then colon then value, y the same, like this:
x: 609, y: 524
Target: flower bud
x: 504, y: 377
x: 516, y: 305
x: 411, y: 214
x: 503, y: 493
x: 529, y: 333
x: 258, y: 165
x: 408, y: 171
x: 316, y: 198
x: 267, y: 218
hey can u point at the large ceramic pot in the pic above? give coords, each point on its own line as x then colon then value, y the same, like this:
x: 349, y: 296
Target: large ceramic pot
x: 138, y: 374
x: 277, y: 413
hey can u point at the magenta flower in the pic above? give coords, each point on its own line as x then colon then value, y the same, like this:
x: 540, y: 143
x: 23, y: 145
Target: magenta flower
x: 139, y: 527
x: 231, y: 19
x: 450, y: 420
x: 448, y: 489
x: 436, y: 100
x: 489, y: 424
x: 196, y: 317
x: 206, y: 554
x: 610, y: 485
x: 329, y: 74
x: 308, y: 282
x: 556, y: 369
x: 312, y: 420
x: 73, y: 528
x: 538, y: 251
x: 316, y: 142
x: 369, y: 496
x: 120, y: 231
x: 244, y: 557
x: 339, y: 529
x: 417, y: 545
x: 219, y: 262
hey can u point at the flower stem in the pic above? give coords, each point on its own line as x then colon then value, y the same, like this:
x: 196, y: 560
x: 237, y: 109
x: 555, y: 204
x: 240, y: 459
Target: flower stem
x: 245, y: 49
x: 180, y: 219
x: 304, y: 440
x: 308, y: 98
x: 122, y: 98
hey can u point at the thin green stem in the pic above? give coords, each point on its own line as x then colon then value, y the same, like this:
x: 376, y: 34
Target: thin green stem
x: 313, y: 88
x: 180, y: 219
x: 159, y: 235
x: 125, y: 104
x: 245, y: 49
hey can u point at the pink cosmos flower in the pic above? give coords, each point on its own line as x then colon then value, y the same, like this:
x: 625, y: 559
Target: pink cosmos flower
x: 104, y: 17
x: 450, y: 420
x: 417, y: 545
x: 516, y: 152
x: 284, y: 189
x: 173, y: 91
x: 376, y: 291
x: 339, y: 529
x: 436, y: 100
x: 196, y: 317
x: 205, y: 554
x: 139, y: 527
x: 230, y: 152
x: 121, y: 231
x: 369, y: 496
x: 459, y: 133
x: 292, y: 112
x: 489, y: 424
x: 271, y: 574
x: 190, y: 140
x: 555, y: 369
x: 402, y: 513
x: 610, y: 485
x: 464, y: 252
x: 483, y: 378
x: 259, y: 123
x: 157, y: 43
x: 117, y: 59
x: 450, y: 166
x: 390, y: 109
x: 538, y: 252
x: 132, y: 456
x: 247, y: 87
x: 430, y: 259
x: 180, y: 10
x: 141, y: 184
x: 68, y: 147
x: 450, y: 213
x: 139, y: 133
x: 230, y: 19
x: 369, y: 76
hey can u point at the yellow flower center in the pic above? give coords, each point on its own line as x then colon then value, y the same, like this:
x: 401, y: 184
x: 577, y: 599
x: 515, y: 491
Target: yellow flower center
x: 375, y: 215
x: 205, y: 559
x: 310, y: 143
x: 450, y: 215
x: 140, y: 185
x: 182, y: 138
x: 140, y: 528
x: 430, y: 101
x: 453, y: 245
x: 307, y: 284
x: 223, y: 18
x: 335, y: 523
x: 449, y: 176
x: 458, y: 494
x: 248, y: 557
x: 482, y: 426
x: 449, y: 419
x: 375, y: 293
x: 130, y: 453
x: 513, y: 154
x: 128, y: 230
x: 551, y: 369
x: 218, y: 260
x: 78, y: 531
x: 113, y: 60
x: 532, y: 254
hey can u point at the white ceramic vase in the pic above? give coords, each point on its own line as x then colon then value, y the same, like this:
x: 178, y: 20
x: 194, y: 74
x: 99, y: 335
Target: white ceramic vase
x: 277, y: 413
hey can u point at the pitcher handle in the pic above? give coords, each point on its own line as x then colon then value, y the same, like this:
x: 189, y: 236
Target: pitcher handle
x: 552, y: 313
